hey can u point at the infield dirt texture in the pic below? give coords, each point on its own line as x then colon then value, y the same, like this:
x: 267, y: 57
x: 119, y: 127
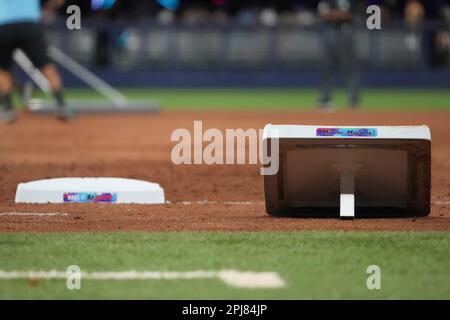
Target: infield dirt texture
x: 219, y: 197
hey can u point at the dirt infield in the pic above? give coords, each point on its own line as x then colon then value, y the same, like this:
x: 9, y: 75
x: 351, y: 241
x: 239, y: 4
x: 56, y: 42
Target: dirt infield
x: 139, y: 146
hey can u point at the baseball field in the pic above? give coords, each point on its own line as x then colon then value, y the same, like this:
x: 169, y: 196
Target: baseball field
x: 213, y: 238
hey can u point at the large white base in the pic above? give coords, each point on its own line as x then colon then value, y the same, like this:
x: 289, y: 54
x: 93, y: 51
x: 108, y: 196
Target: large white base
x: 377, y: 171
x: 90, y: 190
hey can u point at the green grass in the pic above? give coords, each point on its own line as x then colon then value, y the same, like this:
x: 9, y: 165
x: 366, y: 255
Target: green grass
x: 279, y: 99
x: 325, y: 265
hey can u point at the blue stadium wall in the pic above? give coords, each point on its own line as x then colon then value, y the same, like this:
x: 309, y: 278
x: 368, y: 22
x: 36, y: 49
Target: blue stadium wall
x: 421, y: 78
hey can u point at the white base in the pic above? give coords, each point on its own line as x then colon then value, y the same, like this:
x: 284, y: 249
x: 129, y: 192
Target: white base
x: 378, y: 132
x: 82, y: 190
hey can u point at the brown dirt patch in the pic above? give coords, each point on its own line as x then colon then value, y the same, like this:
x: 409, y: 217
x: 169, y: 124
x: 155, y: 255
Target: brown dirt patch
x: 138, y: 146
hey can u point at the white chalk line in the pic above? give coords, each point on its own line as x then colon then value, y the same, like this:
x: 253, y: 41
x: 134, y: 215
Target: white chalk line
x: 35, y: 214
x: 233, y: 278
x: 440, y: 202
x: 247, y: 203
x: 200, y: 202
x: 207, y: 202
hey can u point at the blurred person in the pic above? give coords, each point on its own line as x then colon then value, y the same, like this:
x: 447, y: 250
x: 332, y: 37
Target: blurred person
x: 268, y: 17
x: 437, y: 37
x: 165, y: 17
x: 196, y: 15
x: 20, y: 28
x: 414, y: 12
x: 446, y: 12
x: 338, y: 50
x: 389, y: 9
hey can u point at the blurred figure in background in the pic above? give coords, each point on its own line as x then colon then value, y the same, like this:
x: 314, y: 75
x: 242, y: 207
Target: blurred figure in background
x: 338, y: 50
x: 20, y: 28
x: 414, y: 12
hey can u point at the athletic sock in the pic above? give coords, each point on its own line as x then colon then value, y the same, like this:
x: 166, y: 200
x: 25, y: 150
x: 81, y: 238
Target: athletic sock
x: 6, y: 101
x: 59, y: 97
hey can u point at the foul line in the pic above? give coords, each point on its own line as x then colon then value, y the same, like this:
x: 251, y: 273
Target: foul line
x: 207, y: 202
x: 247, y: 203
x: 200, y: 202
x: 36, y: 214
x: 233, y: 278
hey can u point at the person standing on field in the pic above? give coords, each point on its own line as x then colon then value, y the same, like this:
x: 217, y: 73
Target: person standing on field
x: 20, y: 28
x: 339, y: 50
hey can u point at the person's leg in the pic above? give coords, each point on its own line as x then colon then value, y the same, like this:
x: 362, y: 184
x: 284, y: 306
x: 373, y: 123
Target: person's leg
x: 6, y: 82
x: 350, y: 66
x: 327, y: 69
x: 51, y: 73
x: 6, y: 87
x: 7, y: 113
x: 35, y: 46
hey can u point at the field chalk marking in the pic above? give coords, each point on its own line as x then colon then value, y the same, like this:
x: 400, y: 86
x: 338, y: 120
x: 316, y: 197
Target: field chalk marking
x: 440, y: 202
x: 247, y: 203
x: 202, y: 202
x: 207, y: 202
x: 233, y: 278
x: 36, y: 214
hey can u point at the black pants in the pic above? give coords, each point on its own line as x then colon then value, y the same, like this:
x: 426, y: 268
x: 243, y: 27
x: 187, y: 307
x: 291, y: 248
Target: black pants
x: 29, y: 37
x: 339, y: 54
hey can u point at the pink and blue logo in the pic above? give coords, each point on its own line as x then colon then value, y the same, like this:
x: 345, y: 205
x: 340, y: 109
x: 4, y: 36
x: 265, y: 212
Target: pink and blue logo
x: 86, y: 197
x: 346, y: 132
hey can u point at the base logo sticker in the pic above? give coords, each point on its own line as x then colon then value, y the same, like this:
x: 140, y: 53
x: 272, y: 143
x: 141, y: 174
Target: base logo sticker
x: 346, y: 132
x: 85, y: 197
